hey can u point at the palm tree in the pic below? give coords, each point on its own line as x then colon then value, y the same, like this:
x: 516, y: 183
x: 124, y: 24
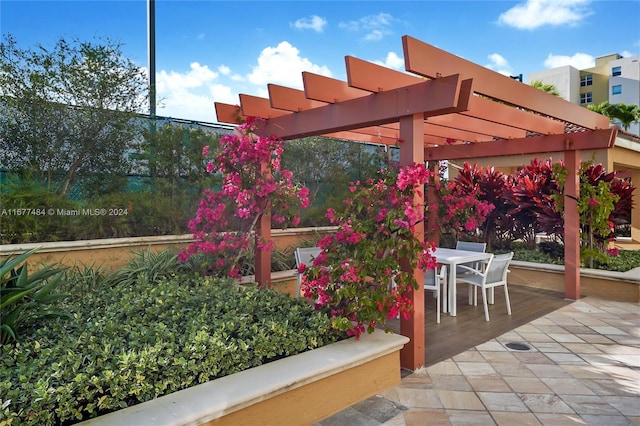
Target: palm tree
x: 601, y: 108
x: 548, y: 88
x: 625, y: 114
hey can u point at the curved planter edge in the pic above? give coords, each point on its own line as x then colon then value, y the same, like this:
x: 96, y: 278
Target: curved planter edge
x: 300, y: 389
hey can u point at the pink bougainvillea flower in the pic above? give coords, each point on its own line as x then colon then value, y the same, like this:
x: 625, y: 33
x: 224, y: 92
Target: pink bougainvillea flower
x: 613, y: 251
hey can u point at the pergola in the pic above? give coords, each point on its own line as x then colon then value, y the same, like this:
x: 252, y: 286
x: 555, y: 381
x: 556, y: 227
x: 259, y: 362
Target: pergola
x: 443, y: 108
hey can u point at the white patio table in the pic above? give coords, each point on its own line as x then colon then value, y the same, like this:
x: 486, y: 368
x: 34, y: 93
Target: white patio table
x: 453, y: 258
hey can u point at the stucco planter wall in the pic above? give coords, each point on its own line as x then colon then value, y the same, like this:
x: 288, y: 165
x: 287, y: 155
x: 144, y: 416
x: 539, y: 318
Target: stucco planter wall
x: 301, y: 389
x: 115, y: 252
x: 610, y: 285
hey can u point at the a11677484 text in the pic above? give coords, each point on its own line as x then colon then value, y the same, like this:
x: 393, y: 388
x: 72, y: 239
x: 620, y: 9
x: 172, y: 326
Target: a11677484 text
x: 63, y: 212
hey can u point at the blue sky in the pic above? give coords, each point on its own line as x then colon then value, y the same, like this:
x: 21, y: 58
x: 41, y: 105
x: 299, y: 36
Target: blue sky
x: 212, y: 50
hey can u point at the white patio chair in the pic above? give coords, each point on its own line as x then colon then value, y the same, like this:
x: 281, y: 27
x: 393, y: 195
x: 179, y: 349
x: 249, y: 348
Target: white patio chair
x: 493, y: 274
x: 432, y: 281
x: 304, y: 255
x: 471, y: 246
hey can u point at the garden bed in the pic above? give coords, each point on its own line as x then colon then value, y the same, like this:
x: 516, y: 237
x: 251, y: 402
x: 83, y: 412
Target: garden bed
x: 300, y: 389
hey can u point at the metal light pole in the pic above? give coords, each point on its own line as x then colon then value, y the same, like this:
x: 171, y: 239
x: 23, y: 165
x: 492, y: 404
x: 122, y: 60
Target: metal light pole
x: 151, y: 38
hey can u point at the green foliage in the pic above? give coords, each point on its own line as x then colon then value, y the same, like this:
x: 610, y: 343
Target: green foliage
x: 326, y: 166
x: 25, y: 212
x: 553, y: 253
x: 68, y: 110
x: 547, y: 88
x: 625, y: 114
x: 130, y: 343
x: 624, y: 261
x: 26, y: 297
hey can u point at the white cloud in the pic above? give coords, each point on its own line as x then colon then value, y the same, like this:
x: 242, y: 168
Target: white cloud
x: 222, y: 93
x: 579, y: 61
x: 374, y: 35
x: 536, y: 13
x: 283, y: 65
x: 375, y: 27
x: 499, y: 64
x: 626, y: 54
x: 392, y: 61
x: 196, y: 77
x: 181, y: 95
x: 224, y: 70
x: 314, y: 23
x: 187, y: 105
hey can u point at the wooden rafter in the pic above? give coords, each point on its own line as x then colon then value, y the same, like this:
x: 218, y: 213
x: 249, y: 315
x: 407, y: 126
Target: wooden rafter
x: 426, y: 60
x: 588, y: 140
x: 431, y: 97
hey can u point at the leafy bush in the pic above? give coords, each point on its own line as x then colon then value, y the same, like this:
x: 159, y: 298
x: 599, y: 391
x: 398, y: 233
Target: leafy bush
x: 25, y: 297
x: 130, y: 343
x: 554, y: 254
x: 624, y: 261
x: 25, y: 207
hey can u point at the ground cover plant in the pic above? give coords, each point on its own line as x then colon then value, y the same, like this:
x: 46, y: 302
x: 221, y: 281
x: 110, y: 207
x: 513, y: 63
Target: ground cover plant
x: 622, y: 261
x: 130, y: 340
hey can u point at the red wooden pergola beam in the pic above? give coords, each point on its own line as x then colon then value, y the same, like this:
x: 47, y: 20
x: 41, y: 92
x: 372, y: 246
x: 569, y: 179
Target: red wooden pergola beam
x: 495, y: 112
x: 327, y: 89
x: 475, y: 125
x: 289, y: 99
x: 227, y: 113
x: 429, y: 61
x: 588, y: 140
x: 360, y: 136
x: 429, y: 97
x: 376, y: 78
x: 365, y: 75
x: 254, y: 106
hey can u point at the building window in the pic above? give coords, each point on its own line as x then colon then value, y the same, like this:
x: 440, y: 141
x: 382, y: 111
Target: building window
x: 616, y: 71
x: 586, y: 98
x: 586, y: 80
x: 616, y: 90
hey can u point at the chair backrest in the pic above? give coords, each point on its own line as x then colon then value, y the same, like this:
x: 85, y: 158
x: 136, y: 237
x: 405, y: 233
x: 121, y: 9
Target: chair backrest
x: 435, y: 278
x: 498, y: 268
x: 305, y: 255
x: 471, y: 246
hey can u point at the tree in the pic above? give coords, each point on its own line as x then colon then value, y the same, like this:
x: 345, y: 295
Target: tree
x: 624, y: 113
x: 326, y: 166
x: 548, y: 88
x: 68, y: 111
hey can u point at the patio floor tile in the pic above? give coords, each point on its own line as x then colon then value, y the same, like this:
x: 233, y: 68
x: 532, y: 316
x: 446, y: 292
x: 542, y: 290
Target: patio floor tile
x: 583, y: 369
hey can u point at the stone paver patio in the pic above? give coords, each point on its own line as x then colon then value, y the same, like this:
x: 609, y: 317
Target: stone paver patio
x: 582, y: 368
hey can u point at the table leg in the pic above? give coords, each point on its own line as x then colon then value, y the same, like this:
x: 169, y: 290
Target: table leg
x: 452, y: 291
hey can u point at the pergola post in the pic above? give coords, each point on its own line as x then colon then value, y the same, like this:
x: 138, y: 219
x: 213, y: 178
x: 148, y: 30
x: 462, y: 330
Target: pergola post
x: 432, y: 217
x: 572, y: 226
x: 635, y: 212
x: 262, y: 260
x: 412, y: 356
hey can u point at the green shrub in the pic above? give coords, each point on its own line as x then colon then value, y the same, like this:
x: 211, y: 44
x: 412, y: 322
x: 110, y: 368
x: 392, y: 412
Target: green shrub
x: 624, y: 261
x: 30, y: 213
x: 26, y: 297
x: 130, y: 343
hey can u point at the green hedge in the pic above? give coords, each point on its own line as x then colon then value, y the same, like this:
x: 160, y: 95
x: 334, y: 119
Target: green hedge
x: 129, y: 344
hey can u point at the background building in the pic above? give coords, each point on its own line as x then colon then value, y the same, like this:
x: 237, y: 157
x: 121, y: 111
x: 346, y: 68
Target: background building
x: 613, y: 78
